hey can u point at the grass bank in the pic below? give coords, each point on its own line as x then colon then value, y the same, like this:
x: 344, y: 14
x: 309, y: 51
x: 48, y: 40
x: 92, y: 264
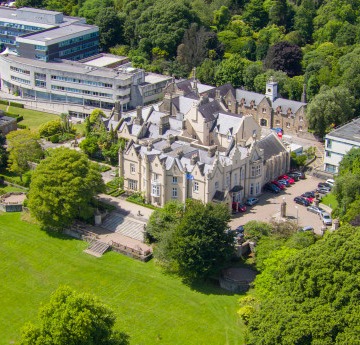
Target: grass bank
x: 153, y: 308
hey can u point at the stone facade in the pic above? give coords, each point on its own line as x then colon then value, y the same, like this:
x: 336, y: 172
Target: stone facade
x: 193, y: 147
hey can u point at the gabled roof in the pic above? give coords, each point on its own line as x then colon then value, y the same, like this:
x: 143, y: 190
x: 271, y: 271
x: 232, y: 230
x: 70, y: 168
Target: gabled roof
x: 249, y: 96
x: 224, y: 89
x: 227, y: 123
x: 208, y: 110
x: 287, y: 104
x: 271, y: 145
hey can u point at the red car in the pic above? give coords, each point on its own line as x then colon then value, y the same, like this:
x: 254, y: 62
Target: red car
x: 241, y: 208
x: 279, y: 185
x: 287, y: 178
x: 308, y: 196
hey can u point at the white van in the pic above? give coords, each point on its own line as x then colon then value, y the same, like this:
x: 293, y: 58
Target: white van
x: 331, y: 182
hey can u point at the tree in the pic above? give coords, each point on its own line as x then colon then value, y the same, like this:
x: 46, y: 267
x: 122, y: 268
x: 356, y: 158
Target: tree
x: 3, y: 152
x: 206, y: 72
x: 191, y: 242
x: 255, y: 230
x: 286, y: 57
x: 23, y: 147
x: 110, y: 28
x: 200, y: 243
x: 231, y: 71
x: 72, y: 318
x: 330, y: 107
x: 90, y: 9
x: 62, y: 188
x: 221, y: 17
x: 314, y: 295
x: 255, y: 15
x: 50, y: 128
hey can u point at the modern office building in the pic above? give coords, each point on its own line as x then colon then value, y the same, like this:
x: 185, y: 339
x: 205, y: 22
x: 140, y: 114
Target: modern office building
x: 47, y: 35
x: 81, y: 85
x: 340, y: 141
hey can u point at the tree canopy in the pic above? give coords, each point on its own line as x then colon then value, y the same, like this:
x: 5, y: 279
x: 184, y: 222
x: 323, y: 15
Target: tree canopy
x: 191, y: 242
x: 62, y: 188
x: 72, y: 318
x: 23, y: 147
x: 312, y: 297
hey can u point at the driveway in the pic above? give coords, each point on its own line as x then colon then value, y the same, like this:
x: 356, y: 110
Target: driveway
x: 269, y: 206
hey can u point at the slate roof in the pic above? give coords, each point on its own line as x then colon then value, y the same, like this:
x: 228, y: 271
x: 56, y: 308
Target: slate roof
x: 208, y: 110
x: 249, y: 96
x: 349, y: 131
x: 184, y: 104
x: 227, y: 123
x: 224, y: 89
x: 271, y: 146
x: 285, y: 104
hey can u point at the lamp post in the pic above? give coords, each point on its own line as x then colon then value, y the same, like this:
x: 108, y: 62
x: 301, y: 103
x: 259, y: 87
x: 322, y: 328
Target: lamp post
x: 297, y: 215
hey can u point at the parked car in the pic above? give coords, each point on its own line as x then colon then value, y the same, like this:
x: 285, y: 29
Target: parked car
x: 302, y: 201
x: 323, y: 190
x: 309, y: 196
x: 331, y: 182
x: 324, y: 185
x: 284, y: 182
x: 251, y: 201
x: 240, y: 229
x: 307, y: 228
x: 277, y: 184
x: 299, y: 173
x: 314, y: 209
x: 271, y: 188
x: 287, y: 178
x: 294, y: 176
x: 326, y: 218
x: 241, y: 207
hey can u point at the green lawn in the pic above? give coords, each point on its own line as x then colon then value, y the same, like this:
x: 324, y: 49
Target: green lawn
x: 330, y: 200
x: 153, y: 308
x: 8, y: 189
x: 32, y: 118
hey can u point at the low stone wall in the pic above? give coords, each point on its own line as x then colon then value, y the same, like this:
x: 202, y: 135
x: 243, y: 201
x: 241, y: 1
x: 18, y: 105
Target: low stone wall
x: 10, y: 206
x: 133, y: 253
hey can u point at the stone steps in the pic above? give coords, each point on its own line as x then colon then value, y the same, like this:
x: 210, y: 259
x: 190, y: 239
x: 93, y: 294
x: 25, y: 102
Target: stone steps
x: 97, y: 248
x: 116, y: 222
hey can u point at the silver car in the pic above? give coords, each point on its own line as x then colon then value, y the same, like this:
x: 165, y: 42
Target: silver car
x: 314, y: 209
x: 326, y: 218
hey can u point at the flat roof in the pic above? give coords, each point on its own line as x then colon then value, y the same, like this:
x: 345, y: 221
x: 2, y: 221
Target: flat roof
x: 105, y: 60
x: 349, y: 131
x: 57, y: 33
x: 38, y: 10
x: 70, y: 67
x: 152, y: 78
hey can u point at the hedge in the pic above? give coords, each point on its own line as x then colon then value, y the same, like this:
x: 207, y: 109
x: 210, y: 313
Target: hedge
x: 12, y: 104
x: 19, y: 125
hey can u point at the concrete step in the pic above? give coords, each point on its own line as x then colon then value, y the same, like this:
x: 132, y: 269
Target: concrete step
x: 97, y: 248
x: 126, y: 226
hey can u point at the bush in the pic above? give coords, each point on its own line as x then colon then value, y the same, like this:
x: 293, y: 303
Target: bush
x: 54, y: 138
x: 16, y: 105
x: 20, y: 126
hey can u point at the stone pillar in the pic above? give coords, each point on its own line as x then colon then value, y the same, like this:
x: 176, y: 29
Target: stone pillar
x: 316, y: 202
x: 283, y: 209
x: 335, y: 224
x: 323, y: 229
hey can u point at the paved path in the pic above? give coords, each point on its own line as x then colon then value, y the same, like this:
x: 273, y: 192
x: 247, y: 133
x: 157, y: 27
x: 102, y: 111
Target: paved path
x: 127, y: 207
x: 269, y: 206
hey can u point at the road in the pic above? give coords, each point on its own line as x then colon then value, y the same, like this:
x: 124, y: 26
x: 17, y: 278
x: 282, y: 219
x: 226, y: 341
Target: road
x: 268, y: 207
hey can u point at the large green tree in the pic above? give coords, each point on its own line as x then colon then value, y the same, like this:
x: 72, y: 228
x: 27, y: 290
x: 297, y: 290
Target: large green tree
x: 72, y: 318
x: 23, y: 147
x: 192, y: 242
x: 62, y: 188
x: 331, y: 107
x: 313, y: 295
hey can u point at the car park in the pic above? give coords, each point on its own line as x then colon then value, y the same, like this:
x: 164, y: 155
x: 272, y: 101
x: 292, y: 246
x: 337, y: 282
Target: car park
x: 251, y: 201
x: 326, y: 218
x: 302, y: 201
x: 271, y: 188
x: 277, y: 184
x: 315, y: 209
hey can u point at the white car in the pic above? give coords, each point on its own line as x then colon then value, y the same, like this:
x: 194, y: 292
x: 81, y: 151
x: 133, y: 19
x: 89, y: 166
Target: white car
x: 326, y: 218
x: 331, y: 182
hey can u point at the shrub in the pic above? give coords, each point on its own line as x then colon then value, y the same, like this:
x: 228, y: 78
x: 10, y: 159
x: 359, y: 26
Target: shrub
x: 54, y: 138
x: 20, y: 126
